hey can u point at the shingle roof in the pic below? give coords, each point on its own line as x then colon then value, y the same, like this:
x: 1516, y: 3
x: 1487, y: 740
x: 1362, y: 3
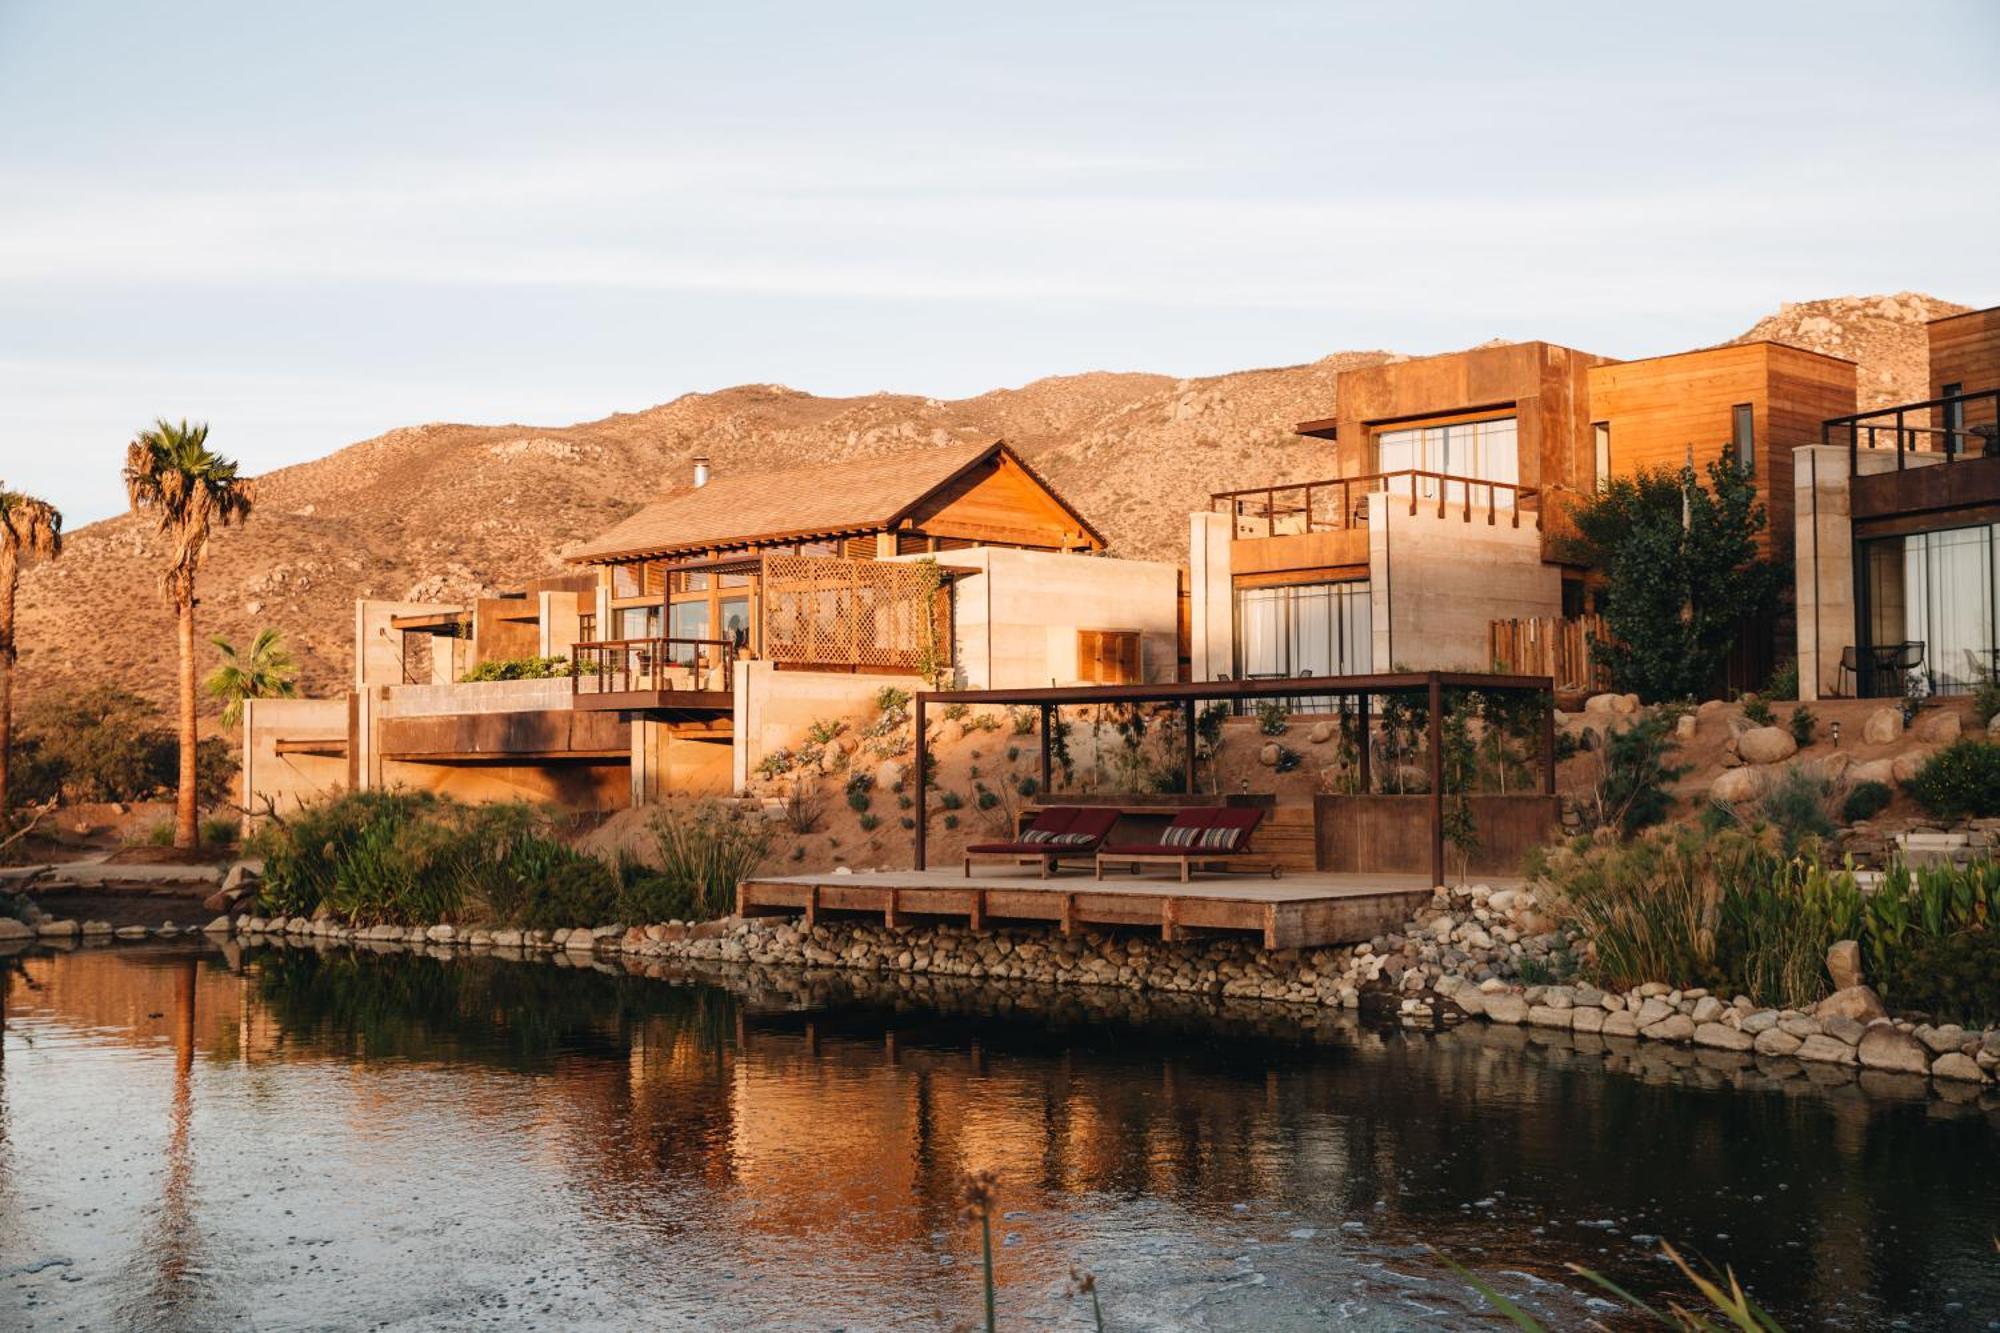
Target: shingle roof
x: 817, y: 499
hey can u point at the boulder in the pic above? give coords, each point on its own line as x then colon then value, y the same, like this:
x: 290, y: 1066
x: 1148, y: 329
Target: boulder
x: 1884, y: 1046
x: 1506, y: 1007
x: 1873, y: 770
x: 1674, y: 1027
x: 1766, y: 745
x: 1958, y: 1066
x: 1321, y: 733
x: 1620, y: 1024
x: 889, y: 774
x: 58, y: 929
x: 1859, y: 1003
x: 1843, y: 964
x: 1722, y: 1037
x: 10, y: 929
x: 1831, y: 767
x: 1844, y: 1029
x: 219, y: 926
x: 1268, y: 756
x: 1825, y: 1050
x: 1941, y: 1040
x: 1548, y: 1016
x: 1684, y: 727
x: 1776, y: 1041
x: 1588, y: 1019
x: 1936, y: 726
x: 1883, y: 726
x: 1733, y: 786
x: 1907, y: 763
x: 1993, y: 725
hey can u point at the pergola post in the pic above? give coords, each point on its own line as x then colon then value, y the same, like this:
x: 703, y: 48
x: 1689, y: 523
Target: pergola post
x: 1048, y: 725
x: 1188, y: 757
x: 1549, y: 743
x: 923, y: 782
x: 1367, y: 780
x: 1436, y: 742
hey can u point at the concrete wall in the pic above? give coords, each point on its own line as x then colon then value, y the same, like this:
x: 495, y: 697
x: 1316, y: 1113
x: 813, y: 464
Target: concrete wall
x: 288, y: 781
x: 1436, y: 584
x: 669, y: 763
x: 1211, y: 597
x: 486, y: 696
x: 378, y: 648
x: 774, y: 708
x: 1015, y: 623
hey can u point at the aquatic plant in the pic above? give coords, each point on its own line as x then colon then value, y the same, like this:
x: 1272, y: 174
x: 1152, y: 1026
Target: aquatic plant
x: 978, y: 1195
x: 709, y: 847
x: 1732, y: 1304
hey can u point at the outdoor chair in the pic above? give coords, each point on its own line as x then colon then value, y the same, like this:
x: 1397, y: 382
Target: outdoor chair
x: 1211, y: 837
x: 1057, y: 831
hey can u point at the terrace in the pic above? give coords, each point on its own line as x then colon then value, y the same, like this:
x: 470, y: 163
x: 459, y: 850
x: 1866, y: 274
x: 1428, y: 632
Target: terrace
x: 1339, y: 504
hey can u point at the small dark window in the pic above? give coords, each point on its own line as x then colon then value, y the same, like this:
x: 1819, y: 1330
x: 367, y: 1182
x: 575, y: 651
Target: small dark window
x: 1572, y: 598
x: 1601, y: 432
x: 1742, y: 436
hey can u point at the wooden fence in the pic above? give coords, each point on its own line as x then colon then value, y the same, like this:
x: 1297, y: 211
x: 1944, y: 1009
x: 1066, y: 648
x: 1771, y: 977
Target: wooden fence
x: 863, y: 614
x: 1551, y: 646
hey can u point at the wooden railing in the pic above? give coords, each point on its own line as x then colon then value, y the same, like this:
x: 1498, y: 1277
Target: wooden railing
x: 1551, y: 646
x: 1341, y: 503
x: 1947, y: 429
x: 619, y: 666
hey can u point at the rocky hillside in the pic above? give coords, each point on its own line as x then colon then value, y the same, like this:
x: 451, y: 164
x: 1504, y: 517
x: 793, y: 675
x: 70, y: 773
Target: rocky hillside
x: 444, y: 511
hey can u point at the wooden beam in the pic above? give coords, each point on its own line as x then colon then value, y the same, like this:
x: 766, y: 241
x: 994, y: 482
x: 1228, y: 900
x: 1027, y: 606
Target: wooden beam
x: 1188, y: 723
x: 923, y: 783
x: 1048, y: 726
x: 1366, y: 747
x: 1436, y: 740
x: 976, y: 918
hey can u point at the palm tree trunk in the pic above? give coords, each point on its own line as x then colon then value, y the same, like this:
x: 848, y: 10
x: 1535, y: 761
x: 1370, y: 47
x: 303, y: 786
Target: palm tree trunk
x: 185, y: 831
x: 9, y: 577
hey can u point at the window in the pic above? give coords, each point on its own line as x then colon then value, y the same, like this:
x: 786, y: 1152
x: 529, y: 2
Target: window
x: 1601, y: 431
x: 1938, y: 589
x: 1742, y: 419
x: 1108, y: 656
x: 1954, y: 420
x: 639, y: 622
x: 1312, y: 629
x: 1481, y: 450
x: 735, y: 619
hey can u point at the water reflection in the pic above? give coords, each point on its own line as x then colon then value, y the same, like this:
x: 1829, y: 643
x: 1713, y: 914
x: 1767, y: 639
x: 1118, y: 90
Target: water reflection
x: 334, y: 1137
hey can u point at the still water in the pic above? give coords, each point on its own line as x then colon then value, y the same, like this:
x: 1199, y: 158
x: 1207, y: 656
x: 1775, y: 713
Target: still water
x: 279, y: 1139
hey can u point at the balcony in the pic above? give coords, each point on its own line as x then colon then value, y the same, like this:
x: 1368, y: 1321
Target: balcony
x: 1340, y: 504
x: 1945, y: 452
x: 663, y: 673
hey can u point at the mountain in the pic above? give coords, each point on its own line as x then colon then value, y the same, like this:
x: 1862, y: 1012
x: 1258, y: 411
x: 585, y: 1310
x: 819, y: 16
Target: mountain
x: 442, y: 512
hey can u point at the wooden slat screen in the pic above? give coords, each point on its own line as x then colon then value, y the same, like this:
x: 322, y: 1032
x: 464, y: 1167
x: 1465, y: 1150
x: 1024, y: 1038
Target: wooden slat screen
x: 853, y: 613
x: 1108, y: 656
x: 1551, y: 646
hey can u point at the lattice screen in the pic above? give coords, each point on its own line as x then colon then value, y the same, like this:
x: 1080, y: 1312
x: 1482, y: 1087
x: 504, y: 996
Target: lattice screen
x: 861, y: 613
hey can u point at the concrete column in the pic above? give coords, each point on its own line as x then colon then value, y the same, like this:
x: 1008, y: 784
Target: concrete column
x: 740, y: 725
x: 1823, y: 566
x: 1211, y: 597
x: 649, y: 761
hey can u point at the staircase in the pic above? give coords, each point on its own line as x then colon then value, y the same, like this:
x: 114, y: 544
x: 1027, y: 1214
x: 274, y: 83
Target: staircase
x: 1287, y: 834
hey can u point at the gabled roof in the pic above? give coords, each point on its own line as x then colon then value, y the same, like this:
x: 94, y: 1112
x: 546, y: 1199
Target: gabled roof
x: 817, y: 500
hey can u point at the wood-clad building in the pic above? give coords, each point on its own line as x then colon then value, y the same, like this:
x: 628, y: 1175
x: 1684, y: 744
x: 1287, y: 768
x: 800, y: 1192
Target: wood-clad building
x: 1755, y: 401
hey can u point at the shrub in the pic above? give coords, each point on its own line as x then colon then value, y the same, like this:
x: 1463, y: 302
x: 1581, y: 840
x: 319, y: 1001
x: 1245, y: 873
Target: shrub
x: 1630, y: 787
x: 1272, y: 717
x: 825, y: 732
x: 160, y: 833
x: 1288, y: 759
x: 858, y: 788
x: 957, y: 712
x: 1799, y: 806
x: 517, y: 668
x: 950, y: 800
x: 547, y: 885
x: 1865, y: 801
x: 951, y: 821
x: 805, y: 805
x: 777, y: 763
x: 709, y: 847
x: 1963, y: 779
x: 1784, y: 682
x: 1985, y: 698
x: 1953, y: 978
x: 220, y: 831
x: 1028, y: 785
x: 105, y: 744
x: 986, y: 799
x: 652, y: 897
x: 1758, y: 713
x: 869, y: 823
x: 1804, y: 726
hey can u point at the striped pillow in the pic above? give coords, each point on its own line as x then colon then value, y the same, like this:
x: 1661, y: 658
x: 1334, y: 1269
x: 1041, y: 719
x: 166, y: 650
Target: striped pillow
x: 1221, y: 838
x: 1038, y: 835
x: 1073, y: 839
x: 1180, y: 835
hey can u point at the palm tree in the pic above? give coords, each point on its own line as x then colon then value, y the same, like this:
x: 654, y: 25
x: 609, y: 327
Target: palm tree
x: 28, y: 528
x: 171, y: 476
x: 266, y: 672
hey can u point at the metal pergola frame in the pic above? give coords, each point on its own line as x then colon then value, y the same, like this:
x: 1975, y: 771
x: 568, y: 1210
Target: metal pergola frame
x: 1190, y: 693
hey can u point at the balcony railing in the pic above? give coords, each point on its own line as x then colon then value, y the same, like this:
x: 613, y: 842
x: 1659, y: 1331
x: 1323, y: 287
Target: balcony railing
x: 1937, y: 430
x: 625, y: 666
x: 1341, y: 503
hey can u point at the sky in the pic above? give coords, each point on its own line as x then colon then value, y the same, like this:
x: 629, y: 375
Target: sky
x: 308, y: 224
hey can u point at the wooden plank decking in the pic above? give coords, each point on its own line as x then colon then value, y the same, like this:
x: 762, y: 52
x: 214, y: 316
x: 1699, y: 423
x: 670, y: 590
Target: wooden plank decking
x: 1297, y: 912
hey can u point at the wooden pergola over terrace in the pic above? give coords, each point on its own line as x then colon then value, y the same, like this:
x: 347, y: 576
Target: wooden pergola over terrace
x: 1190, y: 694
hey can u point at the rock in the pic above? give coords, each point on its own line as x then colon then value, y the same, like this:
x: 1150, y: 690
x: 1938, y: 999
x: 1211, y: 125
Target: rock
x: 58, y: 929
x: 441, y: 934
x: 1936, y: 726
x: 1684, y: 727
x: 10, y: 929
x: 1706, y: 1010
x: 1590, y: 1019
x: 1321, y: 733
x: 1883, y: 726
x: 1874, y: 770
x: 889, y: 774
x: 1734, y: 786
x: 1652, y: 1010
x: 1674, y: 1027
x: 1843, y: 964
x: 1506, y: 1007
x: 1721, y: 1036
x: 1859, y: 1003
x: 1831, y: 767
x: 1941, y: 1040
x: 219, y: 926
x: 1762, y: 1020
x: 1844, y: 1029
x: 1766, y: 745
x: 97, y: 927
x: 1883, y: 1046
x: 1776, y: 1041
x: 1825, y: 1050
x: 1906, y: 764
x: 1960, y: 1067
x: 131, y: 932
x: 1268, y: 756
x: 1993, y: 725
x: 1620, y: 1024
x: 1548, y: 1016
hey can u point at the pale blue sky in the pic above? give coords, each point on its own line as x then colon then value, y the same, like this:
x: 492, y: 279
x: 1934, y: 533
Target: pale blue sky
x: 309, y: 223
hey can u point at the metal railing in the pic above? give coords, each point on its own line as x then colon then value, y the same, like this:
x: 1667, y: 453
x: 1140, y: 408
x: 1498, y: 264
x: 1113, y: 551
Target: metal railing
x: 1947, y: 429
x: 1340, y: 504
x: 620, y: 666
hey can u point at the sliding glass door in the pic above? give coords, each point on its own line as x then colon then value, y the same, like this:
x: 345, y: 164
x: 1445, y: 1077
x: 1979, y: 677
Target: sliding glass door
x: 1937, y: 590
x: 1311, y: 629
x: 1485, y: 450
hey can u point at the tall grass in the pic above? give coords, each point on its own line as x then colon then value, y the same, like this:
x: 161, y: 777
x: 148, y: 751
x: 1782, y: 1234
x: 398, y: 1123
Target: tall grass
x: 706, y: 848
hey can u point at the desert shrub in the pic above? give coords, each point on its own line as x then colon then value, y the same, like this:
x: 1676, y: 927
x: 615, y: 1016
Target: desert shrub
x: 1272, y: 717
x: 1629, y: 787
x: 869, y: 823
x: 1985, y: 699
x: 548, y: 885
x: 708, y: 847
x: 1804, y: 726
x: 652, y: 897
x: 825, y: 731
x: 951, y: 821
x: 805, y: 805
x: 1953, y: 978
x: 950, y: 800
x: 1865, y: 801
x: 517, y: 668
x: 957, y: 712
x: 105, y: 744
x: 858, y: 788
x: 986, y: 799
x: 1028, y: 785
x: 1960, y: 780
x: 1288, y: 759
x: 1758, y: 713
x: 777, y: 763
x: 220, y: 831
x: 1799, y: 806
x: 1784, y: 682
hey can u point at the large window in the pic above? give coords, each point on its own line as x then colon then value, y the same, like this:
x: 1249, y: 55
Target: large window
x: 1313, y: 629
x: 1937, y: 589
x: 1483, y: 450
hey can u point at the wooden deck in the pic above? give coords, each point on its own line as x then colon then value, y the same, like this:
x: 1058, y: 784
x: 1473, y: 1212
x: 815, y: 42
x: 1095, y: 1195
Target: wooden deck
x: 1297, y: 912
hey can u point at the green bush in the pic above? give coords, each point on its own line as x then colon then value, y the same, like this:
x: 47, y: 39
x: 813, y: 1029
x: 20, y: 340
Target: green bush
x: 105, y: 744
x: 651, y: 897
x: 1758, y: 713
x: 1865, y: 801
x: 1798, y: 805
x: 1273, y: 717
x: 708, y: 847
x: 517, y: 668
x: 1630, y: 786
x: 1953, y: 978
x: 1804, y: 726
x: 1960, y: 780
x: 221, y: 831
x: 869, y: 823
x: 550, y: 886
x: 1784, y: 682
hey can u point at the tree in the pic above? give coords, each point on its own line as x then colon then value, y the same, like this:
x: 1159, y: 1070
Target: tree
x: 29, y: 529
x: 172, y: 477
x: 1682, y: 574
x: 266, y: 672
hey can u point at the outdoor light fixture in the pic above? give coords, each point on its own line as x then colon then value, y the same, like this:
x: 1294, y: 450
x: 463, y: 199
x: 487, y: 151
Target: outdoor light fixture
x: 1836, y: 734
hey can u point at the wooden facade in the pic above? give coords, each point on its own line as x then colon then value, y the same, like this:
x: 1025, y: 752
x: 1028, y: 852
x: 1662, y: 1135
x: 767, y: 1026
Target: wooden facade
x: 1664, y: 410
x: 1965, y: 359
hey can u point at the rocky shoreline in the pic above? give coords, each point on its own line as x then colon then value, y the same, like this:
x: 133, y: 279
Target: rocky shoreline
x: 1460, y: 959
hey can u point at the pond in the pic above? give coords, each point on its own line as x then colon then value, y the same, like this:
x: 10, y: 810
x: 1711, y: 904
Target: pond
x: 200, y: 1137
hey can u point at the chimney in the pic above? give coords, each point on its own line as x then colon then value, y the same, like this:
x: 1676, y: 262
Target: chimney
x: 700, y: 471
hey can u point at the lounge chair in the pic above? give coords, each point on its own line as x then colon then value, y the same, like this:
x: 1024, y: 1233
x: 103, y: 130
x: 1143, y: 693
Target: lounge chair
x: 1213, y: 837
x: 1058, y: 831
